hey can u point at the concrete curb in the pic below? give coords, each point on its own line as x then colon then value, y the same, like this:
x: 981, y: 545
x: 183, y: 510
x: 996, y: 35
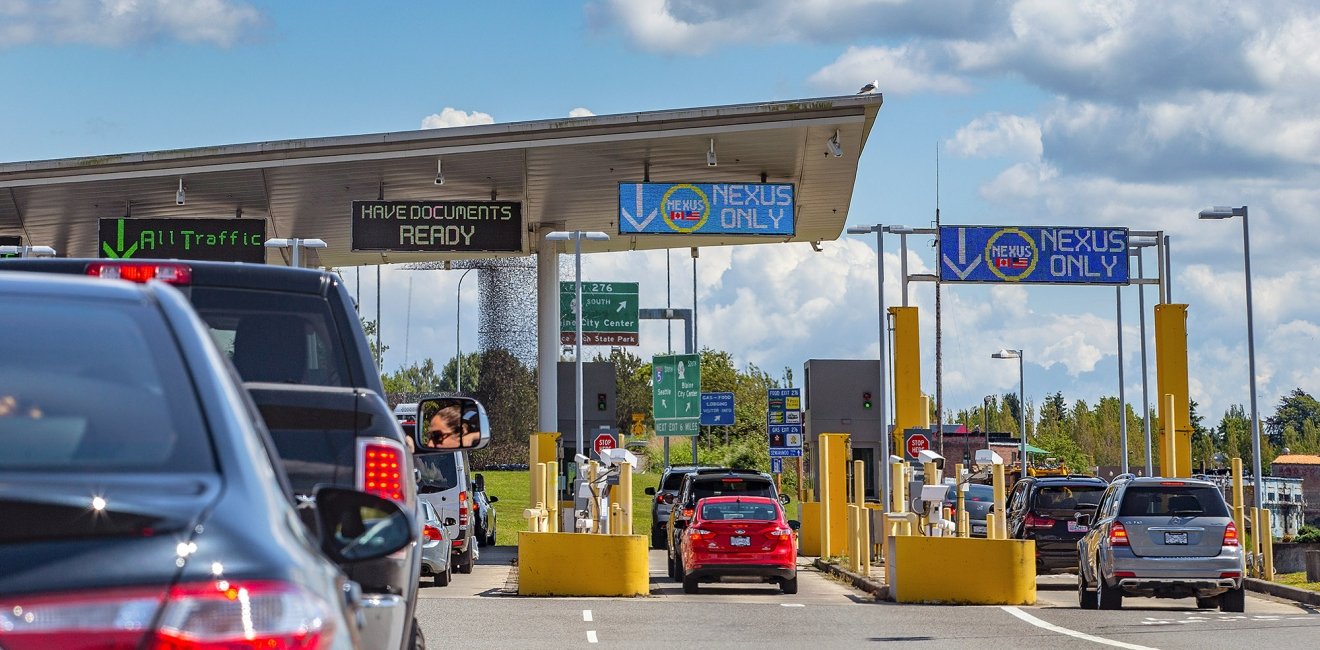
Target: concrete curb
x: 869, y: 585
x: 1283, y: 591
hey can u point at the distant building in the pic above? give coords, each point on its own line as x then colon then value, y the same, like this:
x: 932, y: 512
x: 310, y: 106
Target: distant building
x: 1306, y: 468
x: 1283, y: 497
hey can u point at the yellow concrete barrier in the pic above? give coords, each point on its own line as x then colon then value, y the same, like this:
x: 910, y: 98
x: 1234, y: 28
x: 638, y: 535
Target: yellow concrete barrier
x: 574, y: 564
x: 809, y: 534
x: 954, y: 570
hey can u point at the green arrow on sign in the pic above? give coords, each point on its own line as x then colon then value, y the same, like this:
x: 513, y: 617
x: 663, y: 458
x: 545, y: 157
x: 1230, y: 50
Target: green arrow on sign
x: 118, y: 252
x: 676, y: 394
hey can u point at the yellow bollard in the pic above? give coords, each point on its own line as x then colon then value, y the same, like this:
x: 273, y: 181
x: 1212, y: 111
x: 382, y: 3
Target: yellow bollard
x: 537, y: 498
x: 593, y: 509
x: 552, y: 496
x: 852, y: 551
x: 626, y: 497
x: 863, y: 517
x: 897, y: 487
x: 960, y: 506
x: 1169, y: 441
x: 1267, y: 527
x: 1001, y: 522
x: 1238, y: 506
x: 991, y: 530
x: 823, y: 462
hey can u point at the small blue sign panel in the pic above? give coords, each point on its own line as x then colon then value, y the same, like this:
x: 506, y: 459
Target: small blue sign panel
x: 784, y: 422
x: 785, y: 452
x: 707, y: 209
x: 1034, y: 255
x: 776, y: 465
x: 716, y: 409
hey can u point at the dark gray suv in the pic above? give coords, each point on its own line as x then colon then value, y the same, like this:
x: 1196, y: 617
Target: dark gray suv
x: 665, y: 495
x: 1160, y: 538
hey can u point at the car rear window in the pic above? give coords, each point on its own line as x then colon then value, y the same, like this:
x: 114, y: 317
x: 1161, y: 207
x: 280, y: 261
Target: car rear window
x: 731, y: 510
x: 736, y: 486
x: 275, y: 337
x: 673, y: 481
x: 96, y: 386
x: 438, y: 472
x: 1168, y: 500
x: 1067, y: 497
x: 975, y: 492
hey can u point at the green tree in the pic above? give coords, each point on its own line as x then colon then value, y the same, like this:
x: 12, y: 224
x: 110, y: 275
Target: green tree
x: 369, y: 328
x: 418, y: 378
x: 471, y: 373
x: 507, y: 389
x: 1295, y: 410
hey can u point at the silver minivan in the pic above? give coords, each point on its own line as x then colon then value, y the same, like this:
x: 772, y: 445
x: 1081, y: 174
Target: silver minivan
x: 1160, y: 538
x: 444, y: 482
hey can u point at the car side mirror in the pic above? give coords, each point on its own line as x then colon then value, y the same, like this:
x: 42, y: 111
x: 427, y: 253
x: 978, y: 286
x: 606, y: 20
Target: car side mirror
x: 450, y: 521
x: 784, y: 498
x: 493, y: 499
x: 451, y: 424
x: 356, y: 526
x: 794, y: 524
x: 650, y: 492
x: 1083, y: 519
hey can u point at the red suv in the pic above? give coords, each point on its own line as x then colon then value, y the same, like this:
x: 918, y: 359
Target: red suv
x: 740, y: 536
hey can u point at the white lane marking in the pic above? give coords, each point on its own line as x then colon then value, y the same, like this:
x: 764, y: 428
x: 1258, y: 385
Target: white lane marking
x: 586, y: 615
x: 1072, y: 633
x: 791, y: 605
x: 591, y: 636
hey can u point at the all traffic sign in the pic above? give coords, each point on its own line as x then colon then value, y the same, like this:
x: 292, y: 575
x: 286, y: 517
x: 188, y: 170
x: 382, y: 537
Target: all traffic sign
x: 917, y: 443
x: 602, y: 443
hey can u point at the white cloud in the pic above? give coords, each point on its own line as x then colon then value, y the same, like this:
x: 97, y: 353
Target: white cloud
x: 900, y: 71
x: 111, y: 23
x: 580, y: 112
x: 996, y: 134
x: 453, y: 117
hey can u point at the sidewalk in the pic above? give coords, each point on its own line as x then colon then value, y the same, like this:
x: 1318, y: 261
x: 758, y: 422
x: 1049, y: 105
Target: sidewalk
x: 872, y: 584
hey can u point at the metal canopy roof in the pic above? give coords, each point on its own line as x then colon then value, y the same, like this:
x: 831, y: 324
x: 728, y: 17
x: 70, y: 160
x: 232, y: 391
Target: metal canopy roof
x: 565, y: 171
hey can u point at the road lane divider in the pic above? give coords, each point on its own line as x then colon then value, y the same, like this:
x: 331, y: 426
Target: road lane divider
x: 1044, y: 625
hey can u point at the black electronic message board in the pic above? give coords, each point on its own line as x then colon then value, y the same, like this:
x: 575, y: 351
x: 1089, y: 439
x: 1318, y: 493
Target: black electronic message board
x: 11, y: 240
x: 221, y: 240
x: 438, y: 226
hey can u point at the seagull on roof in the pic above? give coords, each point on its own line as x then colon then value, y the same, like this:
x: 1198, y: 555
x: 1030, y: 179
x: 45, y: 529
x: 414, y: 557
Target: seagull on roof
x: 869, y: 88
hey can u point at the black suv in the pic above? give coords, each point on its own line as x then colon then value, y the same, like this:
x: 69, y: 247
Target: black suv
x: 665, y: 495
x: 711, y: 482
x: 1046, y: 508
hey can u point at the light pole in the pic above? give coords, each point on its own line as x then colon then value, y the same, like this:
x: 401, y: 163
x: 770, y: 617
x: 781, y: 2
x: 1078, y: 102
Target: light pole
x: 883, y: 469
x: 1222, y: 212
x: 458, y: 336
x: 1022, y: 401
x: 296, y: 244
x: 577, y: 236
x: 1135, y: 244
x: 985, y: 419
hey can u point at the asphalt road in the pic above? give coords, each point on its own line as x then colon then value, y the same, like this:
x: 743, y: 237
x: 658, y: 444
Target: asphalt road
x: 477, y: 611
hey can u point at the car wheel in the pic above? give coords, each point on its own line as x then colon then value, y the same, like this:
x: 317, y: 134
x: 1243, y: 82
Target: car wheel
x: 464, y: 560
x: 1086, y: 599
x: 689, y: 585
x: 1107, y: 597
x: 416, y: 640
x: 442, y: 578
x: 788, y: 585
x: 490, y: 538
x: 658, y: 539
x: 1207, y: 603
x: 669, y: 567
x: 1233, y: 600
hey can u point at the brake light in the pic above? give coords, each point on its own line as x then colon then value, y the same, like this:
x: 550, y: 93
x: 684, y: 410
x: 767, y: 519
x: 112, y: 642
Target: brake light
x: 1125, y: 574
x: 213, y: 614
x: 380, y: 469
x: 432, y: 533
x: 141, y: 271
x: 1118, y: 535
x: 687, y: 513
x: 1173, y: 483
x: 1230, y: 535
x: 699, y: 534
x: 462, y: 508
x: 731, y: 480
x: 781, y: 532
x: 659, y: 498
x: 1230, y: 574
x: 1033, y: 521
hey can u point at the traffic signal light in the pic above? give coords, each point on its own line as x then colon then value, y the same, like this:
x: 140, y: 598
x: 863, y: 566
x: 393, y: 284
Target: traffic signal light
x: 600, y: 401
x: 866, y: 400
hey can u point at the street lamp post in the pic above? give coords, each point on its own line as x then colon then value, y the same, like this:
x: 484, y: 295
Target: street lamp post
x: 1222, y: 212
x: 879, y: 231
x: 577, y: 236
x: 458, y: 336
x: 1022, y: 401
x: 295, y: 244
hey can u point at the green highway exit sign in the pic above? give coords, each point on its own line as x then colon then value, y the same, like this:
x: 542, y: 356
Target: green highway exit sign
x: 676, y: 394
x: 609, y: 316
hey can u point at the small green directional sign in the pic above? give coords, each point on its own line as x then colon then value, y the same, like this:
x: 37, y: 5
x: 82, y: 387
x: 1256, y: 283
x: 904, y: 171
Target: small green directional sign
x: 609, y: 316
x: 224, y: 240
x: 676, y: 394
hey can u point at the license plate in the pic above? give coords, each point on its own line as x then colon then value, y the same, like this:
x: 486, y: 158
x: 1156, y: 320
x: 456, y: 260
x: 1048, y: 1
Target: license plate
x: 1074, y: 527
x: 1175, y: 538
x: 978, y: 530
x: 744, y: 541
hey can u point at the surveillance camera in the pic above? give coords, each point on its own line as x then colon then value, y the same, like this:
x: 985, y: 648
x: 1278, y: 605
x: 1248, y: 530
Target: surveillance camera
x: 928, y: 456
x: 710, y: 159
x: 178, y: 198
x: 439, y: 179
x: 617, y: 457
x: 833, y: 145
x: 988, y: 457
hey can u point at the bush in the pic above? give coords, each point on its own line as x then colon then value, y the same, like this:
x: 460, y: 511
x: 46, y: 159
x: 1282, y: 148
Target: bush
x: 1308, y: 534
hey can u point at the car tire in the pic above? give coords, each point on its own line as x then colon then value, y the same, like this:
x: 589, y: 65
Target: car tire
x: 490, y: 538
x: 442, y: 579
x: 788, y: 585
x: 1233, y: 600
x: 1207, y: 603
x: 1086, y: 599
x: 689, y: 585
x: 464, y: 561
x: 658, y: 539
x: 416, y: 640
x: 1107, y: 597
x: 669, y: 566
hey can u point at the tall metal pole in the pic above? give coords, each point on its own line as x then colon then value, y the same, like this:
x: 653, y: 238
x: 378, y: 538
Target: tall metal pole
x: 577, y: 360
x: 902, y: 268
x: 1122, y: 399
x: 296, y: 245
x: 1257, y: 486
x: 883, y: 469
x: 1022, y: 409
x: 696, y: 350
x: 1145, y: 374
x: 1168, y: 271
x: 669, y: 340
x: 380, y: 354
x: 458, y: 336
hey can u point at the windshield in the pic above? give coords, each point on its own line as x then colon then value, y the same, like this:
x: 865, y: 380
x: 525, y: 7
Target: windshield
x: 975, y: 492
x: 720, y: 487
x: 1173, y: 501
x: 438, y: 472
x: 673, y: 482
x: 95, y: 386
x: 736, y: 510
x: 1069, y: 497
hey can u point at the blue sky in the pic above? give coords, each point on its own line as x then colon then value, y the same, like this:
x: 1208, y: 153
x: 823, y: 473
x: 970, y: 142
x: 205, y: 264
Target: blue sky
x: 1106, y: 113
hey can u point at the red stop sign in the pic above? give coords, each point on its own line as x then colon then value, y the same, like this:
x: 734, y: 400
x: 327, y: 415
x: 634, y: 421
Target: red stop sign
x: 603, y: 442
x: 917, y: 444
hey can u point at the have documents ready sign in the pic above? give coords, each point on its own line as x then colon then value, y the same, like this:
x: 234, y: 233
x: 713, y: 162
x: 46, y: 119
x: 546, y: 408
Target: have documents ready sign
x: 438, y: 226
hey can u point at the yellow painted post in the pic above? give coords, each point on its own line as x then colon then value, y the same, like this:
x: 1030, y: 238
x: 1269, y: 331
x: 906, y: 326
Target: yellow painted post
x: 1001, y: 522
x: 960, y: 514
x: 593, y: 510
x: 991, y: 530
x: 1253, y: 567
x: 863, y: 515
x: 537, y: 498
x: 1267, y: 525
x: 626, y: 496
x: 1171, y: 379
x: 552, y: 495
x: 1169, y: 452
x: 1238, y: 505
x: 823, y: 462
x: 897, y: 488
x: 907, y: 375
x: 852, y: 551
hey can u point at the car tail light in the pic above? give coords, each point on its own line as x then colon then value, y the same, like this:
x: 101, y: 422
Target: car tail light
x: 1125, y: 574
x: 781, y: 532
x: 659, y: 498
x: 213, y: 614
x: 380, y: 469
x: 699, y: 534
x: 1118, y: 534
x: 142, y: 271
x: 731, y: 480
x: 687, y: 513
x: 1230, y: 574
x: 1033, y: 521
x: 462, y: 508
x: 432, y: 533
x: 1230, y: 535
x: 1173, y: 483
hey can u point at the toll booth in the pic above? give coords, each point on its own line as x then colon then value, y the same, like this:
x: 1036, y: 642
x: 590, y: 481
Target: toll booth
x: 599, y: 412
x: 843, y: 396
